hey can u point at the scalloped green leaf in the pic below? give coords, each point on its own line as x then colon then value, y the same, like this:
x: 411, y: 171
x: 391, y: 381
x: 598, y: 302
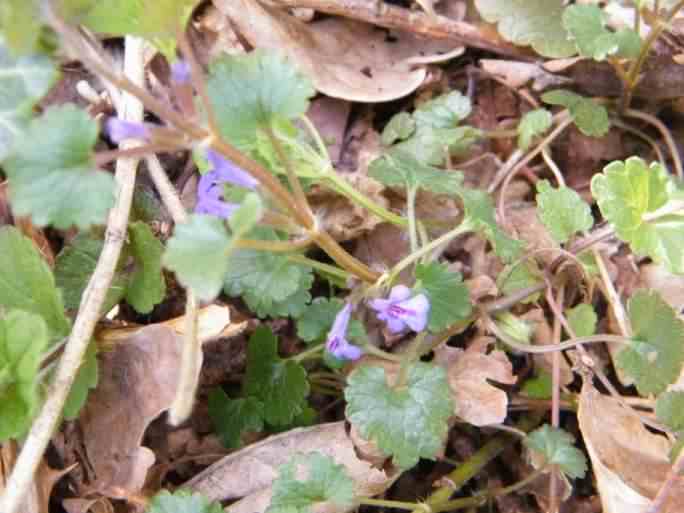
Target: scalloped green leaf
x: 537, y: 23
x: 670, y: 409
x: 563, y: 211
x: 182, y: 501
x: 234, y: 417
x: 655, y: 355
x: 582, y: 319
x: 557, y: 447
x: 533, y: 124
x: 147, y: 286
x: 311, y: 482
x: 591, y: 118
x: 448, y: 295
x: 57, y: 183
x: 382, y: 412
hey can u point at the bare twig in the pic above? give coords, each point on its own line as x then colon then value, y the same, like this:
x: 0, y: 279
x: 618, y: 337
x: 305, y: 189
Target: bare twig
x: 665, y: 132
x: 90, y: 308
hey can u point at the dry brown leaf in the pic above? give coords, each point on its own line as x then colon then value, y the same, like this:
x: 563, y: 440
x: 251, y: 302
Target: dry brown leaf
x: 669, y: 286
x: 543, y: 335
x: 629, y: 461
x: 516, y: 74
x: 526, y: 225
x: 250, y: 472
x: 344, y: 58
x: 477, y: 401
x: 330, y: 117
x: 99, y: 505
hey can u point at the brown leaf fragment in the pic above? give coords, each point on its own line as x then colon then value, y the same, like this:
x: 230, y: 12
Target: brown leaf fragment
x: 629, y: 461
x: 543, y: 335
x: 250, y: 472
x: 99, y: 505
x: 344, y: 58
x: 476, y: 400
x: 516, y: 74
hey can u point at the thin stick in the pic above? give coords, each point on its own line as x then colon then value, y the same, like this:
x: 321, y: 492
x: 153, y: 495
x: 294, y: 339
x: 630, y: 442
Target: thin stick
x: 91, y: 305
x: 191, y: 364
x: 665, y: 132
x: 555, y: 397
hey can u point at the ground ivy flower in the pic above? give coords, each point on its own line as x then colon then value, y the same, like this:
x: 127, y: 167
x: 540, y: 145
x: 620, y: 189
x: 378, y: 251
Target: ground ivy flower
x: 400, y: 310
x: 180, y: 72
x: 119, y: 130
x: 225, y: 171
x: 337, y: 343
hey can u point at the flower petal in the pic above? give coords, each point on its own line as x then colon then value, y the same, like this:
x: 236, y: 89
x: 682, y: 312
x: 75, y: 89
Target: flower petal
x: 339, y: 327
x: 379, y: 305
x: 349, y: 352
x: 416, y: 312
x: 180, y: 72
x: 395, y: 324
x: 215, y: 207
x: 226, y: 171
x: 399, y: 293
x: 119, y: 130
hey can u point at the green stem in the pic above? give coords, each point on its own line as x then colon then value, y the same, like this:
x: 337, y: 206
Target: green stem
x: 322, y: 148
x: 274, y: 246
x: 464, y: 227
x: 332, y: 270
x: 411, y: 211
x: 384, y: 503
x: 308, y: 354
x: 344, y: 259
x: 343, y: 187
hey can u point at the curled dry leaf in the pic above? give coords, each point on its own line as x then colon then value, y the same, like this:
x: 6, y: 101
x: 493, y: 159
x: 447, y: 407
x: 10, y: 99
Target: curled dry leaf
x: 477, y: 401
x: 630, y: 462
x: 526, y: 225
x: 138, y: 379
x: 344, y: 58
x: 517, y: 74
x: 669, y: 286
x: 250, y: 472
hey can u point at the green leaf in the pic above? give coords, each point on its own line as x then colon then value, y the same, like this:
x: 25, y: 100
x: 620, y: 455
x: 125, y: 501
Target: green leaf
x: 280, y: 384
x: 523, y: 275
x: 57, y: 183
x: 20, y: 24
x: 538, y: 387
x: 627, y: 192
x: 562, y: 211
x: 590, y: 117
x: 400, y: 127
x: 557, y: 447
x: 670, y: 409
x: 533, y: 124
x: 311, y: 480
x: 480, y: 211
x: 157, y: 21
x: 26, y: 282
x: 234, y: 417
x: 586, y: 24
x: 147, y: 286
x: 407, y: 422
x: 448, y: 295
x: 23, y: 81
x: 265, y: 280
x: 316, y: 321
x: 582, y: 319
x: 182, y: 501
x: 530, y: 22
x: 23, y: 338
x: 397, y: 168
x: 515, y: 327
x: 431, y: 146
x: 445, y: 111
x: 253, y: 91
x: 293, y: 306
x: 655, y: 355
x: 86, y: 380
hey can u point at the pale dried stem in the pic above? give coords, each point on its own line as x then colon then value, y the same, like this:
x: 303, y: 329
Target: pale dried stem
x: 91, y: 305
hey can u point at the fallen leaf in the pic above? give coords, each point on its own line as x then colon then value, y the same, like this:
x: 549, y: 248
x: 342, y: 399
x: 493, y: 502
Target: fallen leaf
x: 543, y: 335
x: 344, y: 58
x: 476, y: 401
x: 250, y: 472
x: 669, y: 286
x: 629, y: 461
x: 517, y: 74
x: 99, y: 505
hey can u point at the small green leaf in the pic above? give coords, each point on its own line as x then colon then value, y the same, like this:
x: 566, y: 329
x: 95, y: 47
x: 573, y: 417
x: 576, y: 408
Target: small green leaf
x: 317, y: 319
x: 198, y: 254
x: 280, y: 384
x: 397, y: 168
x: 253, y: 91
x: 182, y: 501
x: 431, y: 146
x: 157, y: 21
x: 400, y: 127
x: 147, y: 286
x: 538, y: 387
x: 234, y: 417
x: 515, y: 327
x: 311, y: 480
x: 407, y: 422
x: 586, y: 24
x: 557, y: 447
x: 627, y: 192
x: 590, y: 117
x: 265, y: 280
x: 562, y: 211
x: 582, y: 319
x: 57, y: 183
x: 20, y: 23
x: 292, y: 306
x: 523, y: 275
x: 26, y: 282
x: 655, y: 355
x: 247, y: 216
x: 23, y: 81
x: 530, y: 22
x: 23, y: 338
x: 533, y: 124
x: 445, y: 111
x: 448, y: 295
x: 480, y: 211
x: 670, y: 409
x: 86, y: 380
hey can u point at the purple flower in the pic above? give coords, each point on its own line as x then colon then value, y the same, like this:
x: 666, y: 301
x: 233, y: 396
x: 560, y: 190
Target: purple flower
x: 337, y: 344
x: 401, y: 310
x: 180, y: 72
x: 225, y: 171
x: 209, y: 198
x: 119, y: 130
